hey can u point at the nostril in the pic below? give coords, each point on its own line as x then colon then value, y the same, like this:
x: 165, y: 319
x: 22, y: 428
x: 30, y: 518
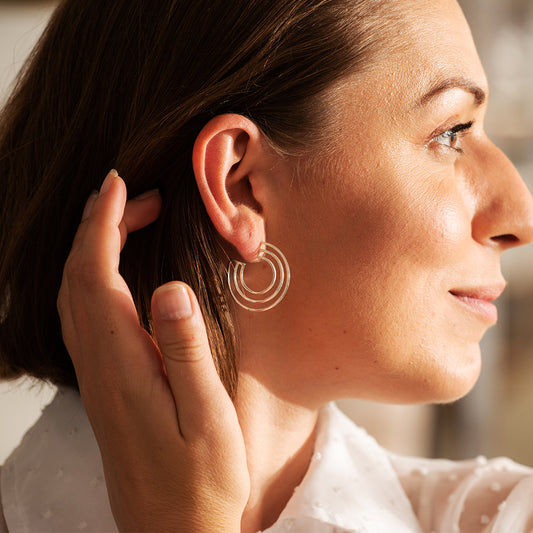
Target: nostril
x: 507, y: 239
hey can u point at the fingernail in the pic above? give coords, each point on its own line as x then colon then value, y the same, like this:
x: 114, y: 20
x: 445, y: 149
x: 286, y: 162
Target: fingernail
x: 147, y: 194
x: 89, y: 205
x: 173, y: 302
x: 107, y: 182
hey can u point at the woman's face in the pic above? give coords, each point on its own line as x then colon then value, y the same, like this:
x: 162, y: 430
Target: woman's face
x: 395, y: 236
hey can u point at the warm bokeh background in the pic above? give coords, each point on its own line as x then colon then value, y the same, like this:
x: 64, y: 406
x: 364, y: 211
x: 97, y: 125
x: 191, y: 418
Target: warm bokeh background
x: 495, y: 419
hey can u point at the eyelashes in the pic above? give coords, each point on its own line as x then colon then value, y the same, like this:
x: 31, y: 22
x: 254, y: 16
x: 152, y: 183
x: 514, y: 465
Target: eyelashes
x: 451, y: 138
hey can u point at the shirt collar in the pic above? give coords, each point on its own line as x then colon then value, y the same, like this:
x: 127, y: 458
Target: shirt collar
x: 350, y: 485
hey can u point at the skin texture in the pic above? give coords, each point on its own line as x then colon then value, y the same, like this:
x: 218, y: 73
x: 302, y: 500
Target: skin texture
x: 386, y: 231
x: 403, y: 220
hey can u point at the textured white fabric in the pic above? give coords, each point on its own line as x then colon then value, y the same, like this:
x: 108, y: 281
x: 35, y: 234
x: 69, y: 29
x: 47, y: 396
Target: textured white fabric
x: 53, y: 482
x: 477, y: 496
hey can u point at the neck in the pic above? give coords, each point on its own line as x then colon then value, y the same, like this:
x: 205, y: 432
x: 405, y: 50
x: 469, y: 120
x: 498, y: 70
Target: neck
x: 279, y: 438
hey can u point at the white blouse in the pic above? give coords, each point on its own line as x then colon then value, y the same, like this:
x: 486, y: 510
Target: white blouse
x: 53, y: 482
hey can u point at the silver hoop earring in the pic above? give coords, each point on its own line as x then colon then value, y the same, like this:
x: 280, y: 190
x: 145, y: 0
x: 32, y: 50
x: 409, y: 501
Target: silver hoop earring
x: 272, y: 295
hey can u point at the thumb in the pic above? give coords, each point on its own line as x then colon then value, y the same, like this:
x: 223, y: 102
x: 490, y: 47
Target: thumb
x: 182, y: 339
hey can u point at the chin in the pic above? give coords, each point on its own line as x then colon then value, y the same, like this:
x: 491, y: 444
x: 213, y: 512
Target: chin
x: 459, y: 390
x: 447, y: 378
x: 455, y: 381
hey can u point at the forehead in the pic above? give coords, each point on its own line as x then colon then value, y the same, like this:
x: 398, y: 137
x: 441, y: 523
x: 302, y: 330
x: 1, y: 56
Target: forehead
x: 433, y: 49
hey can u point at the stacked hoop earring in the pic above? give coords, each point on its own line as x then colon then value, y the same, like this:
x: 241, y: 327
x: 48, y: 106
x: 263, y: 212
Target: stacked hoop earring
x: 273, y: 293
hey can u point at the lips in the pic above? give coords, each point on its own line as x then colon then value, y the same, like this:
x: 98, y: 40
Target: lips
x: 478, y: 300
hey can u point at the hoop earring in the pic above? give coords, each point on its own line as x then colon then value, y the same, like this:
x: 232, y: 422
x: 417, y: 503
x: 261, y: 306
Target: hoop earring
x: 272, y: 295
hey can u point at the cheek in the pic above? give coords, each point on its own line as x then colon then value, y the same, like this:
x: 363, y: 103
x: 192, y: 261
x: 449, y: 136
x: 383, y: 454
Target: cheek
x: 372, y: 267
x: 437, y: 228
x: 380, y: 222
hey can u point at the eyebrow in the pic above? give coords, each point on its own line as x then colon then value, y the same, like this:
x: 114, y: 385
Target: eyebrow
x: 441, y: 86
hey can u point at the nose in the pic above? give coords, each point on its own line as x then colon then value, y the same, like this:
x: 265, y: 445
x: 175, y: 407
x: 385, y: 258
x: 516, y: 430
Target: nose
x: 504, y: 214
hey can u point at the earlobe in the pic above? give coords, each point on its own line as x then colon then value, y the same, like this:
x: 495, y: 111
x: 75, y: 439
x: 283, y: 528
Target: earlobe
x: 228, y: 156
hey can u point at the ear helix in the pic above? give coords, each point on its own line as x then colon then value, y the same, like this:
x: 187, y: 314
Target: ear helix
x: 273, y: 293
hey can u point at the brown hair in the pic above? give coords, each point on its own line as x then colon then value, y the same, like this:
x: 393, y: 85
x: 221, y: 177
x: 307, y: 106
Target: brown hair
x: 129, y: 84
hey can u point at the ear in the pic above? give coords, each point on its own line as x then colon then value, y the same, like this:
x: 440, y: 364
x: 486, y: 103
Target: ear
x: 229, y: 156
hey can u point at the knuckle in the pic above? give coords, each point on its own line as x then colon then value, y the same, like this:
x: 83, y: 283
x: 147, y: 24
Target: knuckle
x: 88, y: 276
x: 84, y: 271
x: 69, y: 267
x: 186, y: 348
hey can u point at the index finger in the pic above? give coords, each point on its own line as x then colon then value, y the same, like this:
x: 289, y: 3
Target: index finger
x: 98, y: 239
x: 93, y: 296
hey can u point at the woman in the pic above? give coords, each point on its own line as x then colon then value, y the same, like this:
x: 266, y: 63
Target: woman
x: 348, y: 136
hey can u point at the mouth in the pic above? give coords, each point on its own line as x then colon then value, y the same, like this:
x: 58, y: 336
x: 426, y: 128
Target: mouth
x: 479, y: 300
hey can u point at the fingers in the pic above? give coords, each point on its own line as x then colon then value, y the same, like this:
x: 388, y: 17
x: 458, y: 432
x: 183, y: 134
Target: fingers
x: 200, y: 397
x: 93, y: 294
x: 100, y: 310
x: 142, y: 210
x: 136, y: 214
x: 98, y: 237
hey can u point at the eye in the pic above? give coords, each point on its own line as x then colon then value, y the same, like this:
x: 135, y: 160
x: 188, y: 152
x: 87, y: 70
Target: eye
x: 450, y: 138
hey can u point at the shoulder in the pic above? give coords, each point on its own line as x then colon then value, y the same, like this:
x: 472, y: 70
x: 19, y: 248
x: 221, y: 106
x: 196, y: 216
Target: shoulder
x: 468, y: 496
x: 3, y: 525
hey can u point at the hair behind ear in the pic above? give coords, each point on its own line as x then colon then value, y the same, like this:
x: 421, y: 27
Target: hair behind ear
x: 129, y: 84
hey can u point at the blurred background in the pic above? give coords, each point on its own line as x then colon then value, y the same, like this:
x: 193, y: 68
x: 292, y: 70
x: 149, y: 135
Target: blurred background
x: 496, y: 418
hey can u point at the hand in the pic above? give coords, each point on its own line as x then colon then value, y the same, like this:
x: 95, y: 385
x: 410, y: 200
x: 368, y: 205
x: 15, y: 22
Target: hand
x: 172, y: 449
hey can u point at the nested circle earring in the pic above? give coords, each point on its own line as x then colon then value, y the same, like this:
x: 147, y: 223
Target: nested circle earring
x: 275, y: 291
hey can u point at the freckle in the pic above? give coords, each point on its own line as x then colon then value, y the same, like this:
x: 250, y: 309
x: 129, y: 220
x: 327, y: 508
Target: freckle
x: 336, y: 368
x: 112, y: 332
x: 344, y: 332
